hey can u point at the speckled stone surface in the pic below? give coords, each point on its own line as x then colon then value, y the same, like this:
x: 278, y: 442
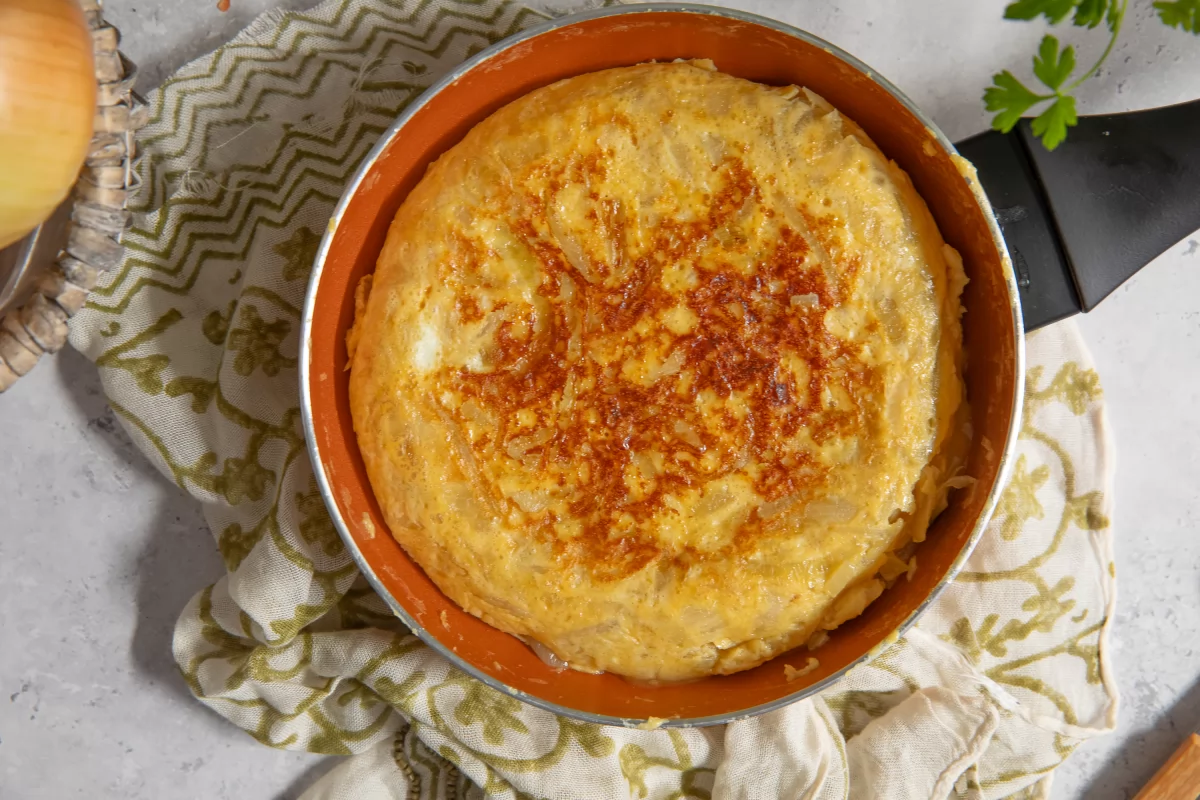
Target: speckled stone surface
x: 98, y: 553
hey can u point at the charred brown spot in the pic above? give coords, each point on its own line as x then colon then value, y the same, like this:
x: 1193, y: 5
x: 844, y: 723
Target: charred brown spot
x: 468, y: 308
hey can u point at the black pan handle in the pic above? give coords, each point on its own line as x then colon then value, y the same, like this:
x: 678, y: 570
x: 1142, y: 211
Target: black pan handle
x: 1082, y: 219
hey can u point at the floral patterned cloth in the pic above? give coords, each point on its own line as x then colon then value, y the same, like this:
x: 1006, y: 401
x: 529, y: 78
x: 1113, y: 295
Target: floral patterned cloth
x: 196, y: 339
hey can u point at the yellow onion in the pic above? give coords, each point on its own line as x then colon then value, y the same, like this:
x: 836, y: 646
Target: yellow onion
x: 47, y: 108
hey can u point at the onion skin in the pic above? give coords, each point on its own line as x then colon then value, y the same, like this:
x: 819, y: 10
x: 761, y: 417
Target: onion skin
x: 47, y: 108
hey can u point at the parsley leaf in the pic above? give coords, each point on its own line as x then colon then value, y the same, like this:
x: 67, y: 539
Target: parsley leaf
x: 1010, y: 98
x: 1090, y: 13
x: 1116, y: 12
x: 1183, y: 14
x: 1051, y: 66
x: 1053, y: 10
x: 1051, y: 125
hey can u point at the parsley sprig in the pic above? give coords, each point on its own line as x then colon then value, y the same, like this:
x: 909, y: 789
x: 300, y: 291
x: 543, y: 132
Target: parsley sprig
x: 1054, y: 64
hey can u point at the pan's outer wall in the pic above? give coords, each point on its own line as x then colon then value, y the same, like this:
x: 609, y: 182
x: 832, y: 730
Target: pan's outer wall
x: 742, y: 45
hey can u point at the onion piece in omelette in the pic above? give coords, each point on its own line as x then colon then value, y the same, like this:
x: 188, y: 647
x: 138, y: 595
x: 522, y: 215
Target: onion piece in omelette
x: 660, y: 369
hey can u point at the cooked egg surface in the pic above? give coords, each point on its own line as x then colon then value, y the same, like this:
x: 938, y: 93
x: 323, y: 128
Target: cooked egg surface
x: 659, y: 368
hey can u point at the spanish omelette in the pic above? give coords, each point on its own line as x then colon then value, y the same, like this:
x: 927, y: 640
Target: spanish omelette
x: 660, y: 370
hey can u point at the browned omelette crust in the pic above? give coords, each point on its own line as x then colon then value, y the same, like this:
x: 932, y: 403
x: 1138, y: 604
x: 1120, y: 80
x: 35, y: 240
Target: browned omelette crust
x: 634, y: 387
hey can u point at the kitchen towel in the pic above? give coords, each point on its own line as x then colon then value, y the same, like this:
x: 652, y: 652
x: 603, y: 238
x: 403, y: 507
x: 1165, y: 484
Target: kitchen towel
x: 195, y: 335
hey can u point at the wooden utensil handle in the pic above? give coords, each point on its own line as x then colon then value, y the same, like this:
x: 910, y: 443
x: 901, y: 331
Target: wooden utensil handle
x: 1179, y: 778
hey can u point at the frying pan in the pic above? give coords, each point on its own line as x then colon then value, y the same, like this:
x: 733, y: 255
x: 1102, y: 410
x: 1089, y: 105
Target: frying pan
x: 750, y: 47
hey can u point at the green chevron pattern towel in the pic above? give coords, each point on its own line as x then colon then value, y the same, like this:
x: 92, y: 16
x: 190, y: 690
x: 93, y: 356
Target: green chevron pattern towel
x: 196, y: 340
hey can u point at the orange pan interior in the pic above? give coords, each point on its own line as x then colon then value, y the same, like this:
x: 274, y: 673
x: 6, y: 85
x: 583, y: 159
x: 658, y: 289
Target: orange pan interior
x: 750, y: 51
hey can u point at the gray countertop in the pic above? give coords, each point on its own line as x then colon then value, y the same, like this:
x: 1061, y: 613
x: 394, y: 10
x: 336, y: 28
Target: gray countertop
x: 99, y: 553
